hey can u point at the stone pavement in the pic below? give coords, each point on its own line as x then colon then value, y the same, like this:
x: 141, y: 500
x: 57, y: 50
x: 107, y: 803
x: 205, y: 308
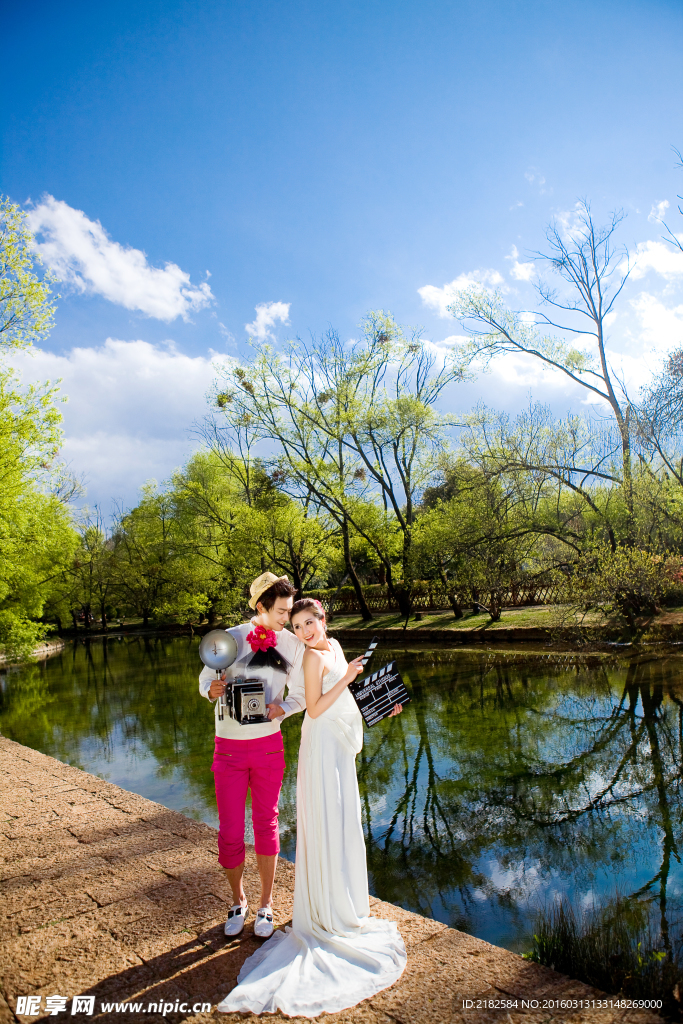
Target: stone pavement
x: 110, y: 895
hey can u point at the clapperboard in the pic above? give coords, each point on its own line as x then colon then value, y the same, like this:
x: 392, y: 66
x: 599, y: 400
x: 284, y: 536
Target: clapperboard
x: 377, y: 694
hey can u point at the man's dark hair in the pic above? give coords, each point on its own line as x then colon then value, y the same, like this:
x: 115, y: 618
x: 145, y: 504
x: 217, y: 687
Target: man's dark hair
x: 281, y: 588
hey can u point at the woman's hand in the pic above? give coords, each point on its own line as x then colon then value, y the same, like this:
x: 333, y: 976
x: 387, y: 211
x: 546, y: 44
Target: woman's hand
x: 398, y: 708
x: 354, y: 669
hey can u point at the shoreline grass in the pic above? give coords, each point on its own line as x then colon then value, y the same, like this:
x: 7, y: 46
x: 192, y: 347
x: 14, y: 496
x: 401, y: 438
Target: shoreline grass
x: 617, y: 947
x: 539, y: 616
x: 551, y: 617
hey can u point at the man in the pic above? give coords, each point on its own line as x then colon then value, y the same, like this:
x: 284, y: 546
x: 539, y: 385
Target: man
x: 252, y: 756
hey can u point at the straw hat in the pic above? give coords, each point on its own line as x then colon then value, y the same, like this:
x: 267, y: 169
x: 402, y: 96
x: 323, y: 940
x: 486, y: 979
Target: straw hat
x: 261, y: 584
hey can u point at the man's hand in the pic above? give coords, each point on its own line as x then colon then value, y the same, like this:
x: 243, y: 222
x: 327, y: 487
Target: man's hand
x: 217, y: 687
x: 274, y: 711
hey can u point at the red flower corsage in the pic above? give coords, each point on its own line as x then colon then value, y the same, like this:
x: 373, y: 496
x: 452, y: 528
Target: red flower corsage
x: 260, y: 638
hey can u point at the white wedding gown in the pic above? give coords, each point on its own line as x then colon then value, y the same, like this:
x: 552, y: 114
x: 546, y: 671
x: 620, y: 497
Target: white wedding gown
x: 335, y: 954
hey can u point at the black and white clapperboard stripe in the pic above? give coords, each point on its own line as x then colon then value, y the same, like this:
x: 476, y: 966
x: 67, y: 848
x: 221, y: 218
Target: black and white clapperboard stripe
x: 376, y: 694
x: 370, y: 651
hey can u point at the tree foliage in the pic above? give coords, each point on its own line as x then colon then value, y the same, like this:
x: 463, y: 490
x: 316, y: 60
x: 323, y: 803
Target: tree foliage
x: 26, y: 310
x: 36, y: 536
x: 342, y: 464
x: 353, y: 424
x: 593, y: 271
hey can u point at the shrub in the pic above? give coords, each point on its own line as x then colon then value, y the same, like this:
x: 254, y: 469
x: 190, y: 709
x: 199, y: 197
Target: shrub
x: 629, y: 581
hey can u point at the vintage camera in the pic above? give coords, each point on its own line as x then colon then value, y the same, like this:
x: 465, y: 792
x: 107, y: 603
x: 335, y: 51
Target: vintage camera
x: 245, y: 701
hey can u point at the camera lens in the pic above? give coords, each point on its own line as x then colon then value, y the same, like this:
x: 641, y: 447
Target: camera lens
x: 254, y: 704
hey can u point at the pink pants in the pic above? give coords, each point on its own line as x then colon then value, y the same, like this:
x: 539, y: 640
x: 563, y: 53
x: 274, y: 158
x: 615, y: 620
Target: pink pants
x: 239, y: 765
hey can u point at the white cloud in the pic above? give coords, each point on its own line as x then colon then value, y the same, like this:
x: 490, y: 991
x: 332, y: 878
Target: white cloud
x: 570, y: 222
x: 661, y: 326
x: 527, y: 372
x: 266, y: 315
x: 660, y: 257
x: 636, y: 354
x: 81, y: 253
x: 534, y: 177
x: 130, y: 408
x: 520, y: 271
x: 228, y: 335
x: 449, y: 342
x: 511, y: 382
x: 439, y: 299
x: 657, y: 212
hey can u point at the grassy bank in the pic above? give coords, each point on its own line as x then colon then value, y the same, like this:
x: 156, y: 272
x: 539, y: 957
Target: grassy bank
x: 553, y: 621
x: 617, y: 947
x: 538, y: 616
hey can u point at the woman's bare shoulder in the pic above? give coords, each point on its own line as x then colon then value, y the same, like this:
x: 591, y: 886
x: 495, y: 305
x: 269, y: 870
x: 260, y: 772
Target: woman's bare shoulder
x: 312, y: 656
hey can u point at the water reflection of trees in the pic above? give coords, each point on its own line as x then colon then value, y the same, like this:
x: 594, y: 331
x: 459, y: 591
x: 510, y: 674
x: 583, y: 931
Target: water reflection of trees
x: 568, y: 768
x: 97, y: 700
x: 563, y: 771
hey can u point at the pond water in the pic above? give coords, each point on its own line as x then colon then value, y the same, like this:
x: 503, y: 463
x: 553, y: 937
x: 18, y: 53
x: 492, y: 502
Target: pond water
x: 509, y: 779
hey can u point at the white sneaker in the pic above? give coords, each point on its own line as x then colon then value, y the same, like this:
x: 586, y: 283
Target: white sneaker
x: 237, y: 915
x: 263, y: 926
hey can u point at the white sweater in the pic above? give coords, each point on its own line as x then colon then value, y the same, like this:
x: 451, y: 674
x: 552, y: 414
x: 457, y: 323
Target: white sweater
x: 273, y: 683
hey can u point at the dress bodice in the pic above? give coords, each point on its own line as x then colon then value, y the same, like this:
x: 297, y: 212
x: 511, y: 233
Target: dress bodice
x: 344, y: 708
x: 336, y: 672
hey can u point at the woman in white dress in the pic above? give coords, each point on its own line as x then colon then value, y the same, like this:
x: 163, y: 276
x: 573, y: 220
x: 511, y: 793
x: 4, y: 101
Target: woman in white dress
x: 335, y: 954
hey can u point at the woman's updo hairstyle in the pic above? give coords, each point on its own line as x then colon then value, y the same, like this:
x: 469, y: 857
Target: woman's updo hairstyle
x: 308, y: 604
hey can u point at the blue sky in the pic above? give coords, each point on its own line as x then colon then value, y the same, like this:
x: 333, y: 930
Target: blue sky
x: 329, y: 158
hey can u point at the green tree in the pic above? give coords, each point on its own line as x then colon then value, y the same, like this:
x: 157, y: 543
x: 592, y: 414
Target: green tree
x: 593, y: 272
x: 294, y: 541
x: 93, y: 575
x: 353, y: 423
x: 573, y: 462
x: 480, y: 536
x: 154, y: 569
x: 217, y: 499
x: 36, y: 535
x: 628, y: 581
x: 660, y: 424
x: 26, y: 310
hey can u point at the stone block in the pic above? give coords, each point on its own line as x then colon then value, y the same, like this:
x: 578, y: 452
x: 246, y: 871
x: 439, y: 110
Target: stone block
x: 64, y: 957
x: 48, y: 913
x: 121, y: 883
x: 94, y: 819
x: 134, y: 845
x: 413, y: 928
x: 39, y: 823
x: 182, y: 859
x: 107, y: 893
x: 178, y: 824
x: 23, y: 893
